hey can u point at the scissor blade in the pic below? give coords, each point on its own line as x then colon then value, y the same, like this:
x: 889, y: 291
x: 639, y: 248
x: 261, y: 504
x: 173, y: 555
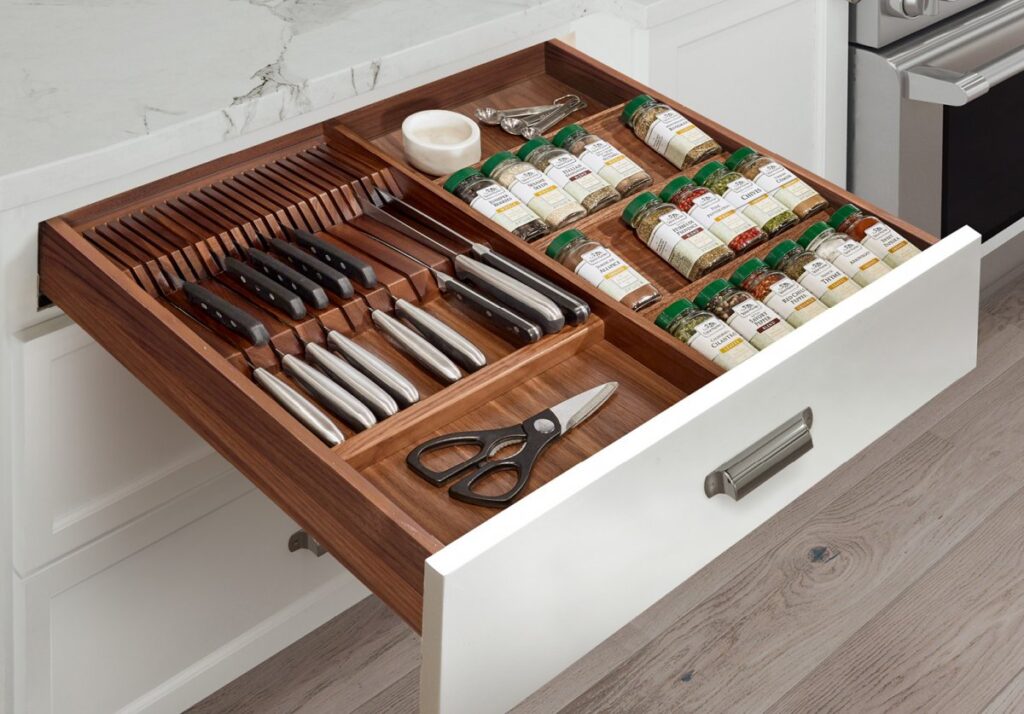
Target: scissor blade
x: 575, y: 409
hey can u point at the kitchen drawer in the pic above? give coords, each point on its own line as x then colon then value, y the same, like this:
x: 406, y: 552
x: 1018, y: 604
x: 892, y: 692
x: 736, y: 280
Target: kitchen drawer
x: 616, y: 513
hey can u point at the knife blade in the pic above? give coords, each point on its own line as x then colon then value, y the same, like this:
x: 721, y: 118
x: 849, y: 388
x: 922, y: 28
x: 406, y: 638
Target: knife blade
x: 265, y: 288
x: 309, y: 291
x: 230, y: 316
x: 354, y: 267
x: 314, y: 268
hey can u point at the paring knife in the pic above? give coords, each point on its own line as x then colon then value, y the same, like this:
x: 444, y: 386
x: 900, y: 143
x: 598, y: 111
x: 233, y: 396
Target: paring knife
x: 309, y: 291
x: 266, y: 288
x: 313, y: 268
x: 575, y: 309
x: 355, y: 268
x: 380, y: 402
x: 404, y: 391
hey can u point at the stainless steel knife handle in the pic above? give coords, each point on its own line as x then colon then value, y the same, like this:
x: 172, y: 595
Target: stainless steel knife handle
x: 523, y: 299
x: 330, y: 394
x: 379, y: 401
x: 442, y: 336
x: 416, y: 347
x: 299, y: 407
x: 576, y: 310
x: 396, y: 384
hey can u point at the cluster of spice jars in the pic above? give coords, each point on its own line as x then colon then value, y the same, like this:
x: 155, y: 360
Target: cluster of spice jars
x: 777, y: 181
x: 747, y: 197
x: 885, y: 243
x: 668, y: 132
x: 603, y: 268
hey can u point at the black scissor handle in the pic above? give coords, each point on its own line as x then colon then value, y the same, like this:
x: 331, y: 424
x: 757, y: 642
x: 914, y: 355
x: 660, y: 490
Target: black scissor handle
x: 487, y: 441
x: 463, y: 489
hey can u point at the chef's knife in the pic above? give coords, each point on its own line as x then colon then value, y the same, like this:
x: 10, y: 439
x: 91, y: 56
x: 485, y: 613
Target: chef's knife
x: 266, y: 288
x: 309, y: 291
x: 355, y: 268
x: 314, y: 268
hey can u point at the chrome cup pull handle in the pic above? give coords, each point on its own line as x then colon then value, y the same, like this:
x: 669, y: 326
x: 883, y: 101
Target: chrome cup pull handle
x: 762, y: 460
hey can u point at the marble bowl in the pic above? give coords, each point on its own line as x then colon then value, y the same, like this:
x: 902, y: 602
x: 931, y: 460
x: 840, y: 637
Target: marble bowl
x: 439, y: 142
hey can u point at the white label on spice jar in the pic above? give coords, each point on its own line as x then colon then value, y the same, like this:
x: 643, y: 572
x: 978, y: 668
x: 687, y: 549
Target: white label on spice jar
x: 888, y: 245
x: 858, y: 262
x: 671, y: 127
x: 681, y: 241
x: 720, y: 343
x: 608, y: 162
x: 607, y: 271
x: 780, y: 183
x: 498, y: 204
x: 712, y: 212
x: 792, y: 302
x: 827, y: 282
x: 538, y: 192
x: 757, y: 323
x: 572, y: 175
x: 750, y: 198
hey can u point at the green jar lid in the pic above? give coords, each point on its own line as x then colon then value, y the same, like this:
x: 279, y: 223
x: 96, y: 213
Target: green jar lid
x: 672, y: 312
x: 705, y: 173
x: 776, y: 254
x: 737, y: 157
x: 673, y: 186
x: 561, y: 240
x: 566, y: 134
x: 633, y: 104
x: 492, y: 163
x: 529, y: 146
x: 812, y: 232
x: 459, y: 176
x: 842, y: 214
x: 746, y: 270
x: 705, y: 296
x: 634, y: 206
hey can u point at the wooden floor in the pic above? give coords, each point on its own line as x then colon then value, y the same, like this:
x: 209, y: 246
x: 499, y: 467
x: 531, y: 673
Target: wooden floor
x: 896, y: 584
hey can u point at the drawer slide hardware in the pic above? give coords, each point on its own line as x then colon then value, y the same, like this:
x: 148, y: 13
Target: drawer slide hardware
x: 301, y: 540
x: 762, y: 460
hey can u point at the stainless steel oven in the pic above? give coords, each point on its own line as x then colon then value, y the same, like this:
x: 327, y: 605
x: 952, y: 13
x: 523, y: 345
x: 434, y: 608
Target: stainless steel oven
x: 937, y: 115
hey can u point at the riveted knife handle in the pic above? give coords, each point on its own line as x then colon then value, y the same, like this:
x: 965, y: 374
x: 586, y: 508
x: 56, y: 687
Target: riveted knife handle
x: 575, y: 309
x: 288, y: 277
x: 318, y: 271
x: 515, y: 326
x: 355, y: 268
x: 266, y: 289
x: 230, y: 316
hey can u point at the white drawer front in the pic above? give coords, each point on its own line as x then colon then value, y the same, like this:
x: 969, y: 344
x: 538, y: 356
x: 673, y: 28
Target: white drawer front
x: 521, y: 597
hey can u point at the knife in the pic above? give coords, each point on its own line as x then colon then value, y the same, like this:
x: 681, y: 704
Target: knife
x: 355, y: 268
x: 234, y: 318
x: 404, y: 391
x: 380, y: 402
x: 313, y: 268
x: 441, y: 335
x: 265, y: 288
x: 309, y: 291
x: 299, y: 407
x: 416, y: 347
x: 329, y: 393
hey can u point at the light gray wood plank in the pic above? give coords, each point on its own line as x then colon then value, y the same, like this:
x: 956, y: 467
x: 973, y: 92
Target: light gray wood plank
x: 401, y: 697
x: 1010, y: 700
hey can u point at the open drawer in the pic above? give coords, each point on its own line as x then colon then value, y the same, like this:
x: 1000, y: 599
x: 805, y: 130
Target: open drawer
x: 618, y: 512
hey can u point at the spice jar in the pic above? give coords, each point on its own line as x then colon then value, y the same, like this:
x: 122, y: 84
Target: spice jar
x: 782, y: 294
x: 757, y: 323
x: 602, y: 268
x: 713, y: 213
x: 668, y: 132
x: 750, y: 199
x: 777, y: 181
x: 540, y: 194
x: 617, y: 169
x: 821, y: 279
x: 848, y: 255
x: 705, y: 333
x: 676, y: 237
x: 571, y: 175
x: 880, y: 239
x: 488, y: 197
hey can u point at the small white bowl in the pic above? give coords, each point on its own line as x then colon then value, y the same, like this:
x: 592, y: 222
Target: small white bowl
x: 439, y: 142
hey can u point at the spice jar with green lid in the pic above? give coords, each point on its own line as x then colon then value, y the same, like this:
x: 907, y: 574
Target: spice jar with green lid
x: 750, y: 199
x: 880, y: 239
x: 620, y: 171
x: 488, y: 197
x: 668, y: 132
x: 705, y: 333
x: 785, y: 296
x: 822, y: 279
x: 848, y: 255
x: 777, y: 181
x: 529, y: 184
x: 676, y: 237
x: 569, y: 173
x: 602, y: 268
x: 713, y: 213
x: 757, y: 323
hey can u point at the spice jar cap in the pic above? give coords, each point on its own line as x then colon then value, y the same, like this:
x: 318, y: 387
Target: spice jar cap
x: 746, y: 270
x: 812, y: 232
x: 672, y: 312
x: 737, y: 157
x: 458, y: 177
x: 776, y: 254
x: 842, y: 214
x: 674, y: 186
x: 705, y: 173
x: 529, y: 146
x: 633, y: 104
x: 706, y: 295
x: 566, y: 134
x: 636, y: 205
x: 563, y: 239
x: 492, y: 163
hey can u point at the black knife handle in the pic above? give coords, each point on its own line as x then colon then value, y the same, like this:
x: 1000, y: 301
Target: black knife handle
x: 266, y: 289
x: 355, y: 268
x: 575, y: 309
x: 315, y: 269
x: 309, y: 291
x: 232, y: 317
x: 519, y: 328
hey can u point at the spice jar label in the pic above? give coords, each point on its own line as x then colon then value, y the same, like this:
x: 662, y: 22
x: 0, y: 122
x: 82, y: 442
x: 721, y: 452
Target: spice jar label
x: 671, y: 127
x: 680, y: 240
x: 826, y: 282
x: 756, y: 205
x: 495, y: 202
x: 719, y: 217
x: 611, y: 164
x: 720, y: 343
x: 781, y: 184
x: 605, y: 270
x: 792, y: 302
x: 571, y: 174
x: 537, y: 191
x: 888, y: 245
x: 858, y: 262
x: 758, y: 323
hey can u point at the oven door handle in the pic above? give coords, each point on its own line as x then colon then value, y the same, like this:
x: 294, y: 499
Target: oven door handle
x: 936, y: 85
